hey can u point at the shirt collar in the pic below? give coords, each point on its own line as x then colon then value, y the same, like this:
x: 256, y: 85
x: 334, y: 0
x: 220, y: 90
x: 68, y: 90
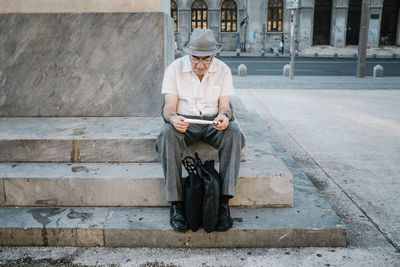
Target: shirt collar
x: 187, y: 65
x: 213, y: 67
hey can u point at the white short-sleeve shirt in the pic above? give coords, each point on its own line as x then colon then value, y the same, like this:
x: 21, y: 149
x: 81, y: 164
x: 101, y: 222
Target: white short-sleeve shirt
x: 197, y: 98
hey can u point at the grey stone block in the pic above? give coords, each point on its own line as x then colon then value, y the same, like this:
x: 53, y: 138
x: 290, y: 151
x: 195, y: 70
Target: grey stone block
x: 12, y: 236
x: 261, y: 184
x: 52, y: 226
x: 378, y: 71
x: 83, y: 64
x: 149, y: 227
x: 265, y: 179
x: 252, y: 228
x: 286, y: 70
x: 94, y: 139
x: 242, y: 70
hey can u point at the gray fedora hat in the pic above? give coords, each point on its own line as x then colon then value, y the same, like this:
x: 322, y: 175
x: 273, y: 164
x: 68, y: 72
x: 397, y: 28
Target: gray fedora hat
x: 202, y: 43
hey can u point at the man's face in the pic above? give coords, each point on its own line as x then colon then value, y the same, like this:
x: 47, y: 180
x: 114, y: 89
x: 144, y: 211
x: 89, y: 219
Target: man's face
x: 201, y: 64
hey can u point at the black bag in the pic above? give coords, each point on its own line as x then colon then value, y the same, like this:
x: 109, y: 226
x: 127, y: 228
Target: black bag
x: 193, y: 194
x: 212, y: 182
x: 202, y: 192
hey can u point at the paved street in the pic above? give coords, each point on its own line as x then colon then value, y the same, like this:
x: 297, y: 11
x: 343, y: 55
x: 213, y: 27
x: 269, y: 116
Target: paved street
x: 310, y: 66
x: 345, y: 140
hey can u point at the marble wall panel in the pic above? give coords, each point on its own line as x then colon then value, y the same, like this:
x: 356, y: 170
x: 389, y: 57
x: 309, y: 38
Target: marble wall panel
x: 57, y: 6
x: 83, y: 64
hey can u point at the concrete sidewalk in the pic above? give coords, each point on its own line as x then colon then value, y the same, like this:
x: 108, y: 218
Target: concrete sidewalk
x: 346, y: 141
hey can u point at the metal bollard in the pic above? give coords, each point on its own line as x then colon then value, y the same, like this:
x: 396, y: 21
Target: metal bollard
x: 286, y: 70
x: 378, y: 71
x: 242, y: 70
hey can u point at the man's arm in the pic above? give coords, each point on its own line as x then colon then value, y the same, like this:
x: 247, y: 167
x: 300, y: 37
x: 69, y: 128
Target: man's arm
x: 224, y: 113
x: 170, y: 115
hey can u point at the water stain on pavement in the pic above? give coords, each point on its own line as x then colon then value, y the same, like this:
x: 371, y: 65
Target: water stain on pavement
x: 79, y: 131
x: 80, y: 169
x: 79, y: 215
x: 42, y: 216
x: 50, y: 201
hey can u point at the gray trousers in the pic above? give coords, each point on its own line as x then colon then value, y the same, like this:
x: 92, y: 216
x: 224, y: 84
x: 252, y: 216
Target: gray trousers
x: 171, y: 144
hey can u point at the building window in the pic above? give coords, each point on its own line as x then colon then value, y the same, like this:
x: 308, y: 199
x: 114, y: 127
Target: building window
x: 228, y: 16
x: 275, y: 15
x: 174, y: 15
x: 199, y: 15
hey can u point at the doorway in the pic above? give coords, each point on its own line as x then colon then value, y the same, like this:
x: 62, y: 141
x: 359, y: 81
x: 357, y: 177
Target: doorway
x: 390, y: 16
x: 322, y: 22
x: 353, y: 22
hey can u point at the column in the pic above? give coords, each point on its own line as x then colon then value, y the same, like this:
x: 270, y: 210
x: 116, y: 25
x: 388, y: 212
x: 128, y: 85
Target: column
x: 304, y: 24
x: 339, y: 22
x: 254, y: 27
x: 184, y: 27
x: 375, y: 25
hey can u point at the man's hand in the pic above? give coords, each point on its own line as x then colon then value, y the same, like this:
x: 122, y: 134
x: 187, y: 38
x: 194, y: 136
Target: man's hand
x: 179, y: 124
x: 223, y: 122
x: 169, y: 113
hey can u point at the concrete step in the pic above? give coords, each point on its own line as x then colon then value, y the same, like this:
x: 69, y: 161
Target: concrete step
x: 149, y: 227
x: 264, y: 181
x: 85, y: 139
x: 129, y: 184
x: 310, y: 221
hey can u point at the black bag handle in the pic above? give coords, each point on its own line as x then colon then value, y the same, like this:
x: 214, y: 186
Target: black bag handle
x: 190, y: 165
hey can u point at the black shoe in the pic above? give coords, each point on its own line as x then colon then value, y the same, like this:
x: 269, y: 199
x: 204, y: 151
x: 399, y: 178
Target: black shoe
x: 225, y: 221
x: 177, y: 220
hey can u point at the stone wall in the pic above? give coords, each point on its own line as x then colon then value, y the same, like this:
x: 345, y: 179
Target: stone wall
x: 83, y: 64
x: 56, y: 6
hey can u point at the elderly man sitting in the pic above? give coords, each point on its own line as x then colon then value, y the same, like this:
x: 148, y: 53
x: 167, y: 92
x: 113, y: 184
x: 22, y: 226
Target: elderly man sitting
x: 199, y: 86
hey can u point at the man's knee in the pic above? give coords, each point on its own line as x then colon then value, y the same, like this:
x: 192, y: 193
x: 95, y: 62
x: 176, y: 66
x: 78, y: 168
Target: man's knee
x: 234, y: 133
x: 234, y: 130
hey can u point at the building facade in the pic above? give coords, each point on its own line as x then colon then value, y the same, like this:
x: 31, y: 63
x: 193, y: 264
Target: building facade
x: 257, y: 25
